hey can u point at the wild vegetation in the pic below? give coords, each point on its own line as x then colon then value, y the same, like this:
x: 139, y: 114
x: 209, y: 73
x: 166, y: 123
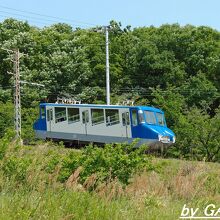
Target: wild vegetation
x: 171, y: 67
x: 49, y: 181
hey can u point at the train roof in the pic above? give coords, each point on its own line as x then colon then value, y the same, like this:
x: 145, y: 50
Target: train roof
x: 103, y: 106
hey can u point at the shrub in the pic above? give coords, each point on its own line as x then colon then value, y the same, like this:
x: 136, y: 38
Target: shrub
x: 112, y: 161
x: 16, y: 168
x: 4, y: 142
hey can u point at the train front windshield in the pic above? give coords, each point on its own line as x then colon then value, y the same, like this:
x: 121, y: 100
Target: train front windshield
x: 152, y: 118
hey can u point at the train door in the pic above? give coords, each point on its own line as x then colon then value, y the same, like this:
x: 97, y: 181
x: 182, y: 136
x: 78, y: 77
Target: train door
x: 125, y: 122
x: 49, y: 119
x: 134, y: 123
x: 85, y: 119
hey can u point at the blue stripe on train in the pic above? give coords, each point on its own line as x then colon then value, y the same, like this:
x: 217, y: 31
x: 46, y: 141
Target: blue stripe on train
x: 41, y: 123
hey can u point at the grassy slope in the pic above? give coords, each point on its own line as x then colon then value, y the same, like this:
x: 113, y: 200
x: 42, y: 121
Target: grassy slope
x: 29, y: 191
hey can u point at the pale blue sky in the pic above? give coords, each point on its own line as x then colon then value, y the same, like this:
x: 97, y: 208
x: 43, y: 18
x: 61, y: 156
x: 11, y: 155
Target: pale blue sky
x: 130, y: 12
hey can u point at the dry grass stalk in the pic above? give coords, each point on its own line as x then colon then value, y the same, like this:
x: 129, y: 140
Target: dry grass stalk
x: 110, y: 190
x: 73, y: 179
x: 54, y: 176
x: 189, y: 181
x: 147, y: 184
x: 68, y: 217
x: 90, y: 182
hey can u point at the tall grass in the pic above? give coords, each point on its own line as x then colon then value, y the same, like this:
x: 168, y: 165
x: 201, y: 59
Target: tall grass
x: 50, y: 182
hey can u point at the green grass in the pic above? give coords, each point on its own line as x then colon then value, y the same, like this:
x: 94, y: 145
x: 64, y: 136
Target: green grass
x: 30, y: 188
x: 64, y: 204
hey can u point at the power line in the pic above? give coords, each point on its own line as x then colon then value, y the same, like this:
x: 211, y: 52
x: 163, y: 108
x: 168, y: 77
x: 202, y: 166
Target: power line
x: 5, y: 87
x: 97, y: 95
x: 34, y: 22
x: 26, y: 16
x: 125, y: 90
x: 49, y: 16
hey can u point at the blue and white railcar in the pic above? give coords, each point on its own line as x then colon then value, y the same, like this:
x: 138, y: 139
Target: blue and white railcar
x: 103, y: 124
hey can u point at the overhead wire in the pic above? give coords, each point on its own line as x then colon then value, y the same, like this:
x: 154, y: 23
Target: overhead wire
x: 4, y: 16
x: 6, y: 87
x: 48, y: 16
x: 53, y: 20
x: 141, y: 90
x: 75, y: 94
x: 4, y: 12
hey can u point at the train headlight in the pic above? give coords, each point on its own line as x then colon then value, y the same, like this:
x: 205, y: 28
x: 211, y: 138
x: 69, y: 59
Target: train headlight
x: 174, y: 139
x: 164, y: 139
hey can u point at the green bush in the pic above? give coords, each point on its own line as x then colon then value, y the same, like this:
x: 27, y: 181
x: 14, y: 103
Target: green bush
x: 112, y: 161
x: 5, y: 142
x: 6, y: 117
x: 69, y: 163
x: 16, y: 168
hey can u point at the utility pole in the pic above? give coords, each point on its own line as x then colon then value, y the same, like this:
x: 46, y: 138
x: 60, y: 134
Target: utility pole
x: 107, y: 66
x: 17, y: 89
x: 106, y: 29
x: 17, y: 98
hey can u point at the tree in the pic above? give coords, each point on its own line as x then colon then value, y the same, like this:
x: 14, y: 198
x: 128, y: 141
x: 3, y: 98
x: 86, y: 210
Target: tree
x: 199, y: 135
x: 6, y: 117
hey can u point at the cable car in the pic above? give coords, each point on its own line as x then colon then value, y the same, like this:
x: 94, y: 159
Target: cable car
x: 103, y: 124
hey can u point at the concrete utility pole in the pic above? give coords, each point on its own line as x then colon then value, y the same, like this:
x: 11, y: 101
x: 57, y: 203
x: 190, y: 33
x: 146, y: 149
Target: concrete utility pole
x: 107, y: 66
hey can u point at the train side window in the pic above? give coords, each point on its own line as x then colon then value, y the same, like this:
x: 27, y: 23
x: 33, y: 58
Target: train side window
x: 73, y: 115
x: 85, y: 117
x: 112, y: 117
x: 49, y: 114
x: 134, y: 118
x: 125, y: 118
x: 97, y: 116
x: 60, y: 114
x: 141, y: 117
x: 43, y: 113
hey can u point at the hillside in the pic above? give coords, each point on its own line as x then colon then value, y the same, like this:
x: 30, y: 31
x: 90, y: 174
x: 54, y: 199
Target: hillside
x: 36, y: 183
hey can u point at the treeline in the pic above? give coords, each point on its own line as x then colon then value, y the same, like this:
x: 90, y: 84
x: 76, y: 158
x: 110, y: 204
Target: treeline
x: 172, y: 67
